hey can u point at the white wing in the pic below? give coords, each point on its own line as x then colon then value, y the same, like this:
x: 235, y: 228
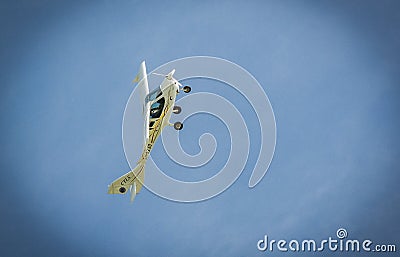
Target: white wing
x: 143, y: 87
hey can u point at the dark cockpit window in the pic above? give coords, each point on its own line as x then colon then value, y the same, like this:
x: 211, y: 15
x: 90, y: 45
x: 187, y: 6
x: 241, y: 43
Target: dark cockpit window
x: 153, y: 95
x: 156, y: 108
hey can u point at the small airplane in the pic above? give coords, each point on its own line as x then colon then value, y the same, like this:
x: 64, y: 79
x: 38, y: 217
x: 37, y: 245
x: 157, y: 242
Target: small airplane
x: 158, y: 106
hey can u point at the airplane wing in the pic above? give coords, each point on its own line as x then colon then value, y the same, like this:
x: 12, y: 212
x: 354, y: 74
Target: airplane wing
x: 133, y: 180
x: 143, y: 87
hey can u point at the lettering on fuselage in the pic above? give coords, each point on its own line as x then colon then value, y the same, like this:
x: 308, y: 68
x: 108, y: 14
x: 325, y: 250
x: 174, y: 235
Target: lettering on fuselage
x: 149, y: 146
x: 126, y: 179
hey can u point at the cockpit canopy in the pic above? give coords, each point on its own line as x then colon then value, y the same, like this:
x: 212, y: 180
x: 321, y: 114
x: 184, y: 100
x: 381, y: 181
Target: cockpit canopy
x: 156, y: 105
x: 156, y: 108
x: 153, y: 95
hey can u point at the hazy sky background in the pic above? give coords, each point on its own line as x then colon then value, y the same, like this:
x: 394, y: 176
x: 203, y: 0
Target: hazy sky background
x: 331, y: 72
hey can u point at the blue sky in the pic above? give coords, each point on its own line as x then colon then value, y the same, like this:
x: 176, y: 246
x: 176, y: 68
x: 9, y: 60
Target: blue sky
x: 329, y: 68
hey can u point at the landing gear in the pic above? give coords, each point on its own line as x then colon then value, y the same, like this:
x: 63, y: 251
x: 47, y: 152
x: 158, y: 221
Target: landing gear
x: 187, y: 89
x: 177, y: 109
x: 178, y: 125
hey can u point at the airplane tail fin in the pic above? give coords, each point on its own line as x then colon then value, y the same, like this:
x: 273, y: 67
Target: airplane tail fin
x: 133, y: 180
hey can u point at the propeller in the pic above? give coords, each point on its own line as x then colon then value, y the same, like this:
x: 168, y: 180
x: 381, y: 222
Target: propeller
x: 168, y: 76
x: 159, y: 74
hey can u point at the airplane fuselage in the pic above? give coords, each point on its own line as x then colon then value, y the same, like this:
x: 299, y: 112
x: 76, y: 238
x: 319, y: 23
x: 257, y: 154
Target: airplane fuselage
x: 158, y: 106
x: 159, y: 118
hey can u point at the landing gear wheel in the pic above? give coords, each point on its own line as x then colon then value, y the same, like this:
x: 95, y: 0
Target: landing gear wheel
x: 187, y: 89
x: 178, y: 125
x: 177, y: 109
x: 122, y: 190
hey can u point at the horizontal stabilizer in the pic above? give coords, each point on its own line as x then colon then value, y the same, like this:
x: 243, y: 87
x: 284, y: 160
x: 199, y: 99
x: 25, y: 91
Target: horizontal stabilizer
x: 132, y: 180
